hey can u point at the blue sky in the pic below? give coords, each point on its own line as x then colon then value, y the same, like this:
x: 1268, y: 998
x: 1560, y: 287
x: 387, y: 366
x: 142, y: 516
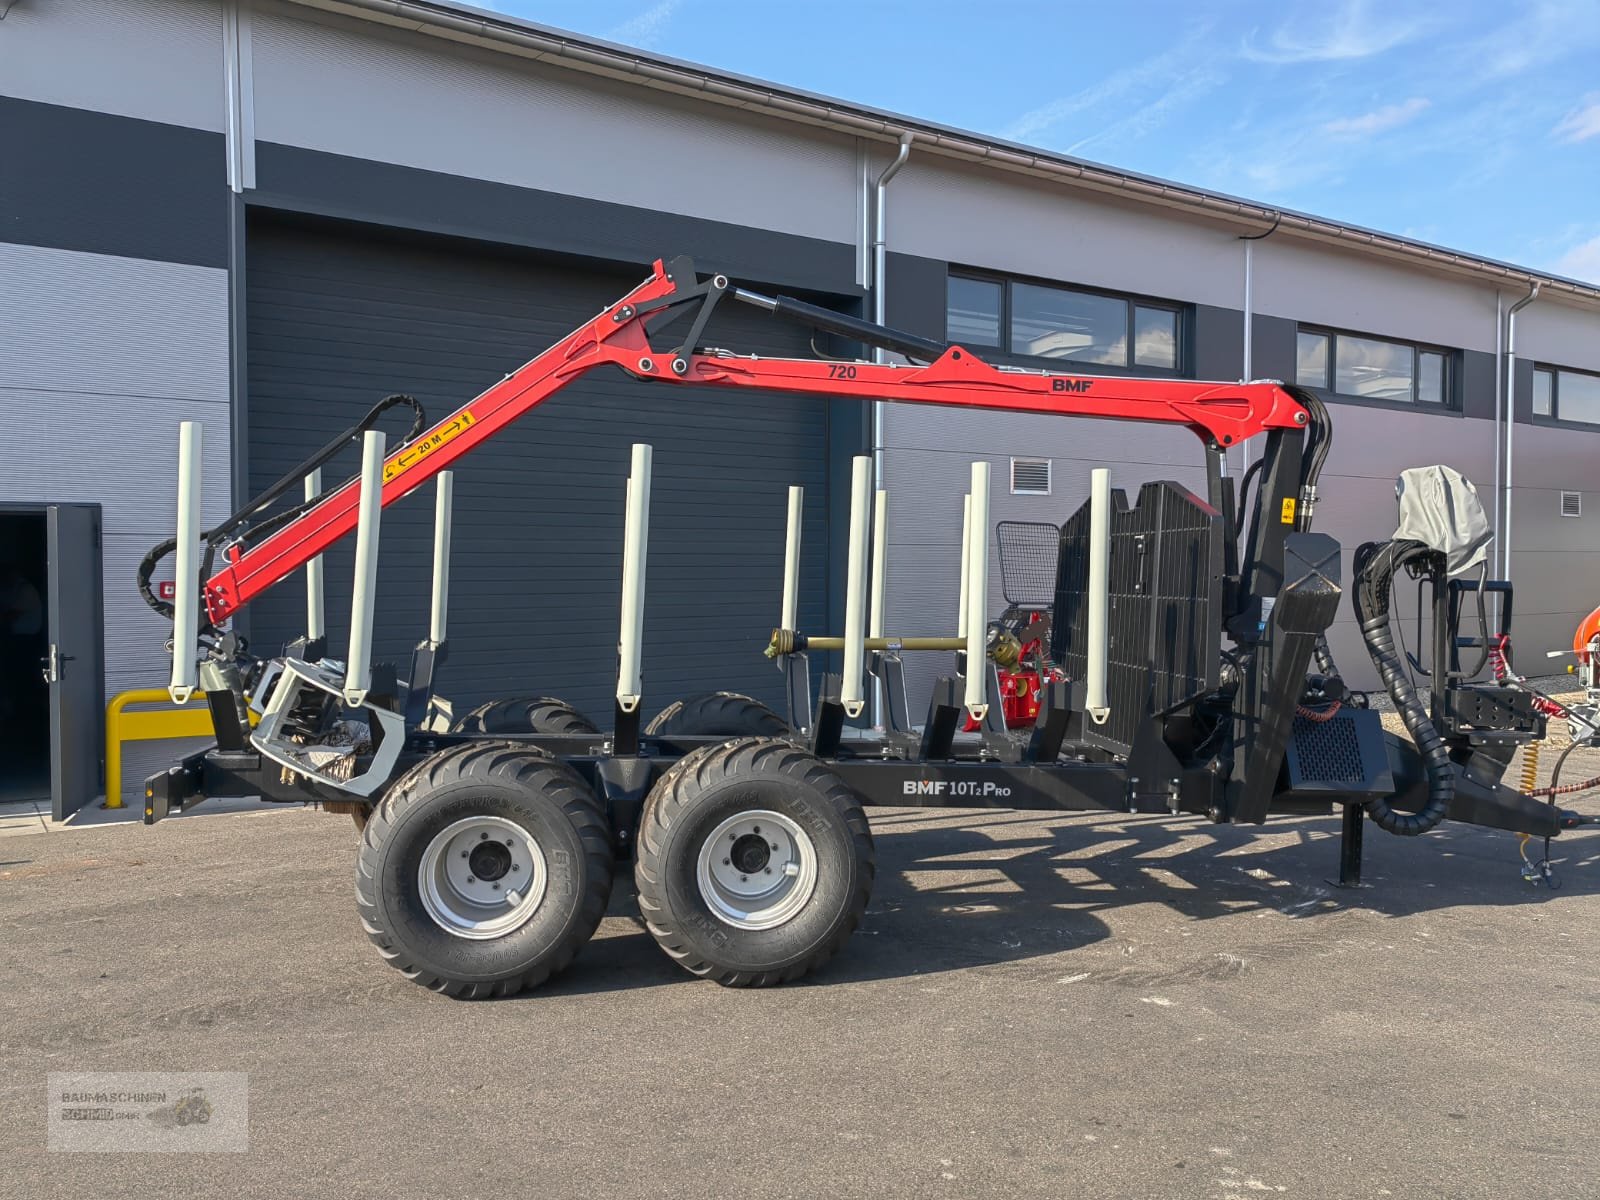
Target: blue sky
x: 1471, y: 123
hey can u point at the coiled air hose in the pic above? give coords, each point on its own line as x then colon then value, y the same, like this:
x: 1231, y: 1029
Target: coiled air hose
x: 1375, y: 565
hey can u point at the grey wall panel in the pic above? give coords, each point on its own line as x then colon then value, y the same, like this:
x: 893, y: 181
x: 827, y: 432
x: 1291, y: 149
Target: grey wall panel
x: 1478, y: 373
x: 160, y: 60
x: 1522, y: 391
x: 357, y: 89
x: 133, y: 188
x: 1555, y: 457
x: 1550, y: 331
x: 1086, y: 440
x: 103, y: 358
x: 1303, y: 281
x: 1272, y: 348
x: 360, y: 189
x: 916, y: 300
x: 1555, y: 560
x: 97, y: 324
x: 1011, y: 223
x: 1216, y: 342
x: 338, y: 320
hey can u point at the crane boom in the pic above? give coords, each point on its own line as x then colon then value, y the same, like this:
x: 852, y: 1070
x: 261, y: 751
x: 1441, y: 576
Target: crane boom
x: 1222, y: 414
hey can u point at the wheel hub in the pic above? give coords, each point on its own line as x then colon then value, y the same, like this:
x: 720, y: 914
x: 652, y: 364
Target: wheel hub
x: 757, y: 870
x: 481, y: 877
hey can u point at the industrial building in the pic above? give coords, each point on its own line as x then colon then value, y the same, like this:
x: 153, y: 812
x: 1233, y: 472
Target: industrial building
x: 264, y: 215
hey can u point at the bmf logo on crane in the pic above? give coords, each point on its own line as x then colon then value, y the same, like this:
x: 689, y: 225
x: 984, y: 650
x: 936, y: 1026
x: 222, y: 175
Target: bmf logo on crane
x: 954, y: 787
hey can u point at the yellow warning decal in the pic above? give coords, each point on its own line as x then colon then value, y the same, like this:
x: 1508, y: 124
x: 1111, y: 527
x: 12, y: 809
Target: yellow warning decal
x: 1288, y: 511
x: 427, y: 444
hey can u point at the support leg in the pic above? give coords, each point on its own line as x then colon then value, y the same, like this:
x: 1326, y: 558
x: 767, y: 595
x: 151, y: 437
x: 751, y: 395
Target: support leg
x: 1352, y: 830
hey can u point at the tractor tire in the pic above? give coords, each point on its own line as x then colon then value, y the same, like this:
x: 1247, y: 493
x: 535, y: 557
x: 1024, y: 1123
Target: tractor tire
x: 442, y: 855
x: 717, y: 714
x: 537, y: 714
x: 754, y: 862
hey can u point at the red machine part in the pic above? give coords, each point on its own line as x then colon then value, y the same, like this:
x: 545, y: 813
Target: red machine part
x: 1583, y: 640
x: 1221, y: 414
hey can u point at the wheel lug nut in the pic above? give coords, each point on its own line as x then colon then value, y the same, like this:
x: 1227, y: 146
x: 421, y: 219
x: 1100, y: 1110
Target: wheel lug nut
x: 470, y: 879
x: 516, y: 866
x: 757, y: 829
x: 463, y: 854
x: 727, y: 862
x: 744, y: 879
x: 495, y: 886
x: 508, y: 841
x: 774, y: 847
x: 483, y: 837
x: 769, y: 870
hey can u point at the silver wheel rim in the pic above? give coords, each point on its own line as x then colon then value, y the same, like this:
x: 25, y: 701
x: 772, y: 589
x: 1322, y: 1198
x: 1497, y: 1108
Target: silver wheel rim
x: 482, y: 877
x: 757, y: 870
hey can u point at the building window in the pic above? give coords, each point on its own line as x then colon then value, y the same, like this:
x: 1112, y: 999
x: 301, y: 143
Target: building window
x: 1035, y: 320
x: 1030, y: 476
x: 1373, y: 368
x: 1566, y: 395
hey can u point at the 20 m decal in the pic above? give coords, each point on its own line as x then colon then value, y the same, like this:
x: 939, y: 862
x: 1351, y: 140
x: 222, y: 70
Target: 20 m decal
x: 425, y: 445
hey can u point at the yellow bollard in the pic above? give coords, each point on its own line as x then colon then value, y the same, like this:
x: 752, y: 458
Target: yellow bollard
x: 124, y: 726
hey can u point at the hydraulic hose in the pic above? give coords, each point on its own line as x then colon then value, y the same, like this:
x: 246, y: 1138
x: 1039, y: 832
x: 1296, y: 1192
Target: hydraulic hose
x: 212, y: 537
x: 1375, y: 568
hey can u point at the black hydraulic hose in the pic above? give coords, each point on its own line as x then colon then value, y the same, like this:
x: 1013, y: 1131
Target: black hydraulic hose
x: 257, y: 504
x: 1250, y: 473
x: 1374, y: 576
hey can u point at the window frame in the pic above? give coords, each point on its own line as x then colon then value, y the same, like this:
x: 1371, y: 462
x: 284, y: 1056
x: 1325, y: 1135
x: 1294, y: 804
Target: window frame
x: 1181, y: 313
x: 1449, y: 401
x: 1554, y: 417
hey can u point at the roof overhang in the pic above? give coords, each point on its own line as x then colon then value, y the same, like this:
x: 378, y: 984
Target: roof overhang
x: 496, y: 31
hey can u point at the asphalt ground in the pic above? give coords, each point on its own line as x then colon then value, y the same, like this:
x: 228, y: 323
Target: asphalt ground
x: 1037, y: 1005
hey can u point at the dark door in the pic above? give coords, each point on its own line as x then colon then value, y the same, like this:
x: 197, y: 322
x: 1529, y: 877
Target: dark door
x: 338, y: 319
x: 72, y: 663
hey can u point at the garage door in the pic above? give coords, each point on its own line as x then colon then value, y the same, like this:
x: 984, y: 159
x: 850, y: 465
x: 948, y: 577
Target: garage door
x: 339, y: 318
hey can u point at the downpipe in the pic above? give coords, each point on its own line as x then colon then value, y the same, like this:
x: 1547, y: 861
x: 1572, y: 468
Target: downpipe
x: 1511, y: 424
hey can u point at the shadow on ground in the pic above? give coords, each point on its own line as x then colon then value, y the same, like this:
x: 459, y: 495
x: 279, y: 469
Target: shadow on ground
x: 964, y: 889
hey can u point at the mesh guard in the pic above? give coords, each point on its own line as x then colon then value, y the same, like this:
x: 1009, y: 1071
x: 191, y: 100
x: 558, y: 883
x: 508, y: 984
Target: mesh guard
x: 1164, y: 619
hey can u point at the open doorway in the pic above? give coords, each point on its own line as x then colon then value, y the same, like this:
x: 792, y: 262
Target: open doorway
x: 24, y: 641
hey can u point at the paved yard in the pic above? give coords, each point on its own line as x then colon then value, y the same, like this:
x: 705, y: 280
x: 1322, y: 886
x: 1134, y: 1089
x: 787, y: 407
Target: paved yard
x: 1133, y: 1007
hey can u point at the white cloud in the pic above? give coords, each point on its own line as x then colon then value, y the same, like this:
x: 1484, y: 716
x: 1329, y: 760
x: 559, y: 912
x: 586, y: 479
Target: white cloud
x: 1377, y: 121
x: 1150, y: 116
x: 645, y: 29
x: 1582, y: 123
x: 1170, y: 71
x: 1581, y: 262
x: 1351, y: 31
x: 1534, y: 37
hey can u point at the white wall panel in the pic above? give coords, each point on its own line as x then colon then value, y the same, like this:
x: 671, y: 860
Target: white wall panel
x: 1305, y: 282
x: 1549, y: 331
x: 103, y: 325
x: 159, y: 60
x: 102, y: 358
x: 1007, y: 222
x: 369, y: 92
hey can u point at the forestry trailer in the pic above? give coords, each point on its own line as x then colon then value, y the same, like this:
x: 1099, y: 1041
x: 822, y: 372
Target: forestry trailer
x: 1183, y: 669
